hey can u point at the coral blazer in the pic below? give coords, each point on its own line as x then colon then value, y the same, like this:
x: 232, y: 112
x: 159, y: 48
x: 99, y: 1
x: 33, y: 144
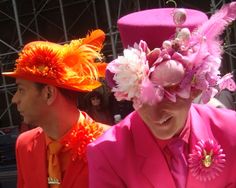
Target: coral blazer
x: 127, y: 155
x: 32, y: 164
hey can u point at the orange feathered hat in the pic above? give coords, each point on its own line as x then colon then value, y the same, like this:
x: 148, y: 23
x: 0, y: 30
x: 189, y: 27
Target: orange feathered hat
x: 74, y: 66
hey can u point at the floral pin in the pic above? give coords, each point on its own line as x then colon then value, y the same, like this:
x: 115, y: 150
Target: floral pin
x: 207, y: 160
x: 83, y: 133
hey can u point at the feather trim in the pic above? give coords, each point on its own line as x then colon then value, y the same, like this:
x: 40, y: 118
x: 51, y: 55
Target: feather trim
x: 214, y: 27
x: 95, y: 38
x: 80, y: 61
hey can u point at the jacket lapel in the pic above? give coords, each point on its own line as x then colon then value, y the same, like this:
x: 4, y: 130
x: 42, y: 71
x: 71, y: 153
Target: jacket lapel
x: 161, y: 177
x: 154, y: 165
x: 199, y: 131
x: 37, y: 151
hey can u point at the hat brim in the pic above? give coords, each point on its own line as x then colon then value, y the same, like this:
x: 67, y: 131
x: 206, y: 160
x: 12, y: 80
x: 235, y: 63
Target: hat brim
x: 86, y: 87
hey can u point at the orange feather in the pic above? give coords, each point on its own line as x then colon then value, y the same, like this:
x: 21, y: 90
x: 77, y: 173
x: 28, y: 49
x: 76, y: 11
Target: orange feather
x: 95, y: 38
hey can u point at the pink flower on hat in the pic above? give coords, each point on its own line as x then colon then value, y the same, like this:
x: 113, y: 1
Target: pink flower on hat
x: 186, y: 62
x: 168, y: 73
x: 130, y: 69
x: 206, y: 160
x: 227, y: 82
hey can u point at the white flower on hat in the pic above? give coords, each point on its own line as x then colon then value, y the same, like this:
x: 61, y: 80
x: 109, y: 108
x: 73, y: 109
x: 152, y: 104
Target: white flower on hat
x: 131, y: 69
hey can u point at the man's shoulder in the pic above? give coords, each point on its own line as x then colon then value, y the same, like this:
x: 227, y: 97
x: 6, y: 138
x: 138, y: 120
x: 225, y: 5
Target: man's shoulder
x: 210, y: 112
x: 27, y: 136
x: 116, y: 134
x: 220, y: 121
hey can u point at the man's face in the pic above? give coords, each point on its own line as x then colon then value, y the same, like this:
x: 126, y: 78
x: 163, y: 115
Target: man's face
x: 30, y: 101
x: 165, y: 119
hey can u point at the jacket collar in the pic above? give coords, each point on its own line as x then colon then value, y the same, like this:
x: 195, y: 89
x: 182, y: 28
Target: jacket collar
x: 37, y: 149
x: 199, y: 131
x: 153, y: 159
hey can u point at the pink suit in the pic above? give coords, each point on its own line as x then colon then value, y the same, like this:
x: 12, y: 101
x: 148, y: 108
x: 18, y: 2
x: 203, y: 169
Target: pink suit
x: 128, y: 156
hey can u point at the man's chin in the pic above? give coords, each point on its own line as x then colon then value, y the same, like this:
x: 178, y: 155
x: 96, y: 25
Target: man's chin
x: 27, y: 121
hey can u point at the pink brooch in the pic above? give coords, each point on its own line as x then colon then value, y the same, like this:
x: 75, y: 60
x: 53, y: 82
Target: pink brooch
x: 207, y: 160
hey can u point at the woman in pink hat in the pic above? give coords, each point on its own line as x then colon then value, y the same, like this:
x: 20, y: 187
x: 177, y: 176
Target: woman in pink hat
x: 171, y: 56
x: 49, y: 77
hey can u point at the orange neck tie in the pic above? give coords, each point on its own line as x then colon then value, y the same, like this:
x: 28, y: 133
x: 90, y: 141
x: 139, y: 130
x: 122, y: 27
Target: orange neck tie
x: 54, y: 171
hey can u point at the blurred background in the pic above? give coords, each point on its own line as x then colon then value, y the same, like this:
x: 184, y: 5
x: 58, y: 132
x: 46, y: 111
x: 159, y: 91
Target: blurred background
x: 60, y: 21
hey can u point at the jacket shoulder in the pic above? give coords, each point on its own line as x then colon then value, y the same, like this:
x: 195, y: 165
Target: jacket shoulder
x: 215, y: 114
x: 220, y: 121
x: 115, y: 133
x: 28, y: 136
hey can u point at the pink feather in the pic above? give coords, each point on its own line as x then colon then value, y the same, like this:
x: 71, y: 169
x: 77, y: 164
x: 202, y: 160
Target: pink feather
x: 214, y: 27
x: 150, y: 94
x: 227, y: 82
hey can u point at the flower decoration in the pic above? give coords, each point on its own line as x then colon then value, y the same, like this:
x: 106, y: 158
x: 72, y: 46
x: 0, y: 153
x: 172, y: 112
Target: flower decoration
x: 71, y: 66
x: 41, y: 59
x: 83, y: 133
x: 130, y: 69
x: 227, y: 82
x: 188, y: 61
x: 206, y: 160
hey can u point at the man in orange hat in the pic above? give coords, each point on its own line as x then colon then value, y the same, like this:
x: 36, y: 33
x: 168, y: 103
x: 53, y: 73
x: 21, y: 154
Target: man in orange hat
x: 49, y: 77
x: 172, y: 55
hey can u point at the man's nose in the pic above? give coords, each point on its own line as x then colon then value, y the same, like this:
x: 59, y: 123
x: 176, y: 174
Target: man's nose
x: 14, y: 98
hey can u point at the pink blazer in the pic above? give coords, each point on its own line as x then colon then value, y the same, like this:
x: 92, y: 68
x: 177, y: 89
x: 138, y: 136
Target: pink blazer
x: 127, y: 154
x: 32, y: 164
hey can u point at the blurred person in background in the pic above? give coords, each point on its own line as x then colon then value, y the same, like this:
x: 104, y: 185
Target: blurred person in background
x: 119, y: 108
x: 96, y: 108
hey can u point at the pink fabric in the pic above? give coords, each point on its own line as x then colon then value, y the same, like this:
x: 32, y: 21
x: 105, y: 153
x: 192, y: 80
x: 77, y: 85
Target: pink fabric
x: 127, y: 155
x: 178, y: 162
x: 154, y: 26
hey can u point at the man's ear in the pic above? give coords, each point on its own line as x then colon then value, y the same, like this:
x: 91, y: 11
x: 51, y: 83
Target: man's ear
x: 50, y: 94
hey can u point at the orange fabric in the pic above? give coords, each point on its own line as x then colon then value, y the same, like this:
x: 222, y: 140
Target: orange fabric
x: 31, y: 151
x: 54, y: 171
x: 62, y: 152
x: 58, y: 161
x: 65, y: 158
x: 80, y: 135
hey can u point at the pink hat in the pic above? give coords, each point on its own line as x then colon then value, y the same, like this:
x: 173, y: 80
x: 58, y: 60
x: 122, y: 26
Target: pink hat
x: 169, y: 53
x: 155, y: 25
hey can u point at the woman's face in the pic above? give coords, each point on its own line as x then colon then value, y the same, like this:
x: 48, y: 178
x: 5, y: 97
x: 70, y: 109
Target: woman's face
x: 95, y: 101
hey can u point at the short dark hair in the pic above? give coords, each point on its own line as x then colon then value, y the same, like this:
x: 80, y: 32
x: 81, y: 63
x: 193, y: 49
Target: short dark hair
x: 70, y: 95
x: 39, y: 86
